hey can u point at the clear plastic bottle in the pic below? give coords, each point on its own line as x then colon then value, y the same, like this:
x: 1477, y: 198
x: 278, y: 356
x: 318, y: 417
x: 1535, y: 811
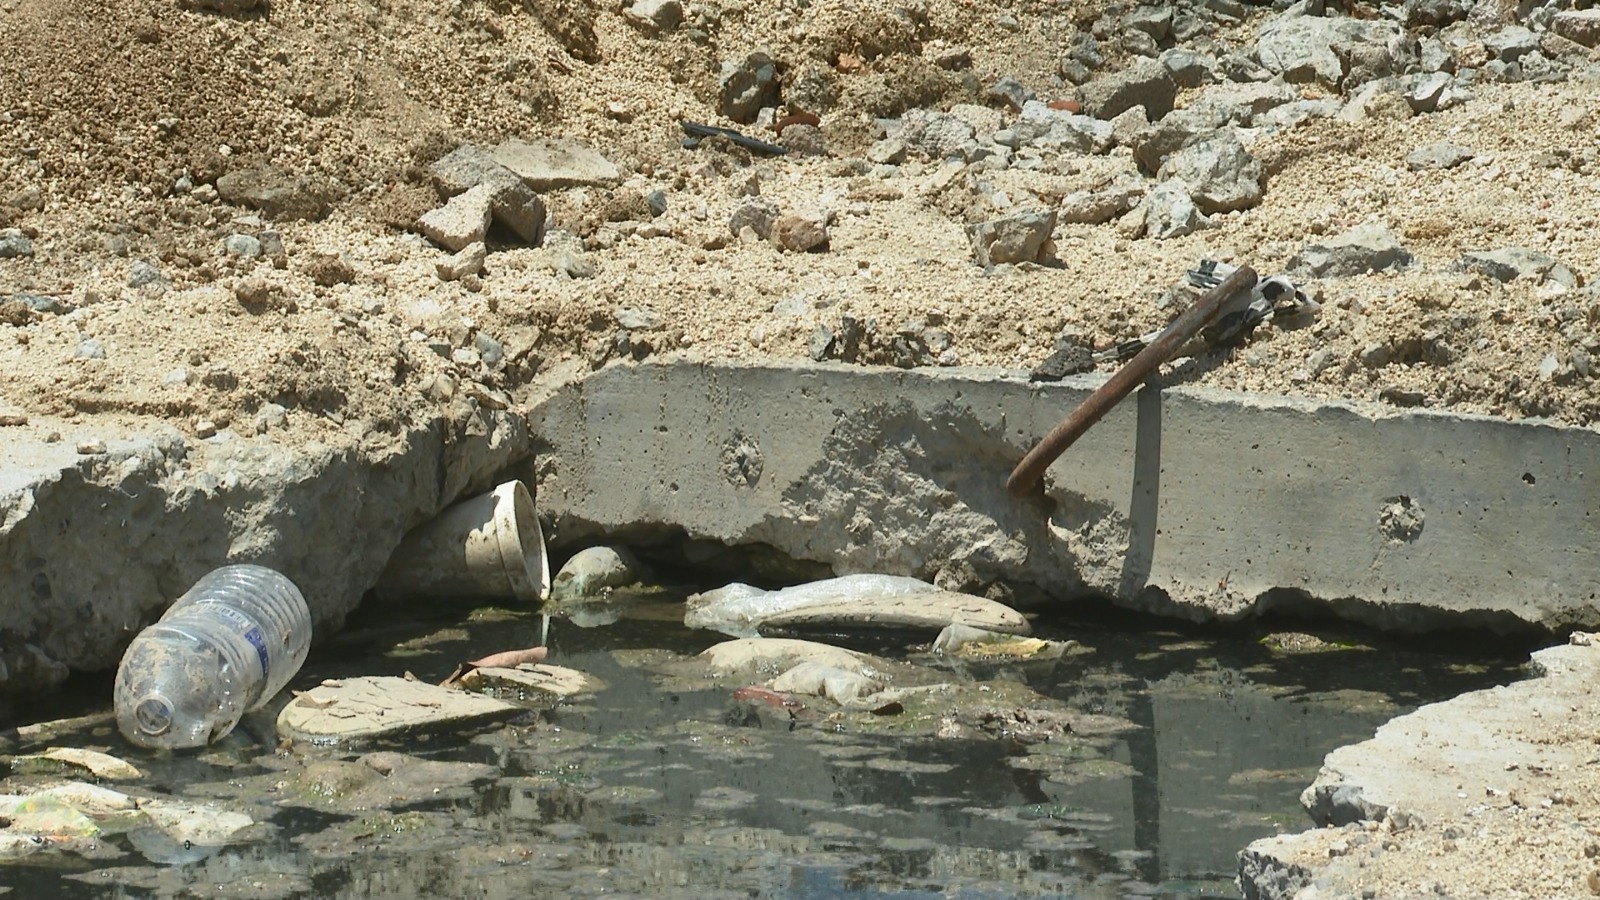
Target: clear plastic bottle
x: 227, y: 646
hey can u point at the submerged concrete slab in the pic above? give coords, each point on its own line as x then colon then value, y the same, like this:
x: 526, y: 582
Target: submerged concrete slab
x: 1200, y: 503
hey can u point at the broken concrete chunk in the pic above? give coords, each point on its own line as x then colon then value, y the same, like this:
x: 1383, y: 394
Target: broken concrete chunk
x: 1365, y: 248
x: 1145, y: 83
x: 1024, y: 237
x: 354, y: 710
x: 1581, y: 26
x: 1170, y: 212
x: 747, y: 86
x: 1442, y: 155
x: 462, y: 221
x: 551, y: 163
x: 272, y: 192
x: 822, y: 680
x: 1511, y: 263
x: 1220, y: 174
x: 468, y: 261
x: 1304, y: 48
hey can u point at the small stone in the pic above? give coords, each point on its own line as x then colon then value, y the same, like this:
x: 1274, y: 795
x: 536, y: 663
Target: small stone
x: 14, y: 244
x: 655, y: 15
x: 204, y: 428
x: 1438, y: 156
x: 258, y: 295
x: 657, y: 201
x: 758, y: 214
x: 329, y: 269
x: 1010, y: 92
x: 91, y: 447
x: 142, y: 273
x: 272, y: 192
x: 243, y: 246
x: 89, y: 348
x: 795, y: 233
x: 467, y: 261
x: 1549, y: 366
x: 593, y: 572
x: 10, y: 419
x: 271, y: 415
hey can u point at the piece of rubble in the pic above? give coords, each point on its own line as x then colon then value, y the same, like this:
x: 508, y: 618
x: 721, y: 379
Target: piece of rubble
x: 750, y: 656
x: 800, y: 233
x: 1581, y: 26
x: 1145, y: 82
x: 1442, y: 155
x: 1023, y: 237
x: 1512, y: 263
x: 552, y: 163
x: 274, y: 193
x: 593, y: 570
x: 466, y: 261
x: 1170, y: 211
x: 1369, y: 247
x: 462, y: 221
x: 1304, y: 48
x: 746, y: 86
x: 14, y: 244
x: 655, y: 15
x: 353, y: 710
x: 1220, y: 174
x: 513, y: 203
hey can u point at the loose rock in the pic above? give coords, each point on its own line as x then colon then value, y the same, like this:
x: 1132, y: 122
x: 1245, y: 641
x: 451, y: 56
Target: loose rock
x: 1362, y: 249
x: 1220, y: 174
x: 1024, y: 237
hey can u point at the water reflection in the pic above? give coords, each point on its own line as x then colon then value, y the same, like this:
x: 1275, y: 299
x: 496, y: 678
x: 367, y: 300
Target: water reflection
x: 667, y: 788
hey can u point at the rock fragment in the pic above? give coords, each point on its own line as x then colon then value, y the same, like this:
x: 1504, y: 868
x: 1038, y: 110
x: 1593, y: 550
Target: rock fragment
x: 466, y: 261
x: 1145, y: 83
x: 1581, y: 26
x: 1023, y: 237
x: 1170, y: 212
x: 462, y: 221
x: 1370, y: 247
x: 1220, y: 174
x: 655, y: 15
x: 274, y: 193
x: 757, y: 214
x: 1512, y: 263
x: 747, y: 85
x: 1443, y: 155
x: 800, y: 233
x: 15, y: 245
x: 553, y: 163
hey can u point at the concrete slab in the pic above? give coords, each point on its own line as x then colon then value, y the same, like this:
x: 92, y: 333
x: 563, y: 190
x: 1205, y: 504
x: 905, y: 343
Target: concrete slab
x: 1199, y: 503
x: 1490, y: 794
x: 356, y: 710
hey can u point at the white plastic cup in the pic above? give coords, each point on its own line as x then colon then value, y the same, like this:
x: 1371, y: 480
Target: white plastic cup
x: 486, y: 546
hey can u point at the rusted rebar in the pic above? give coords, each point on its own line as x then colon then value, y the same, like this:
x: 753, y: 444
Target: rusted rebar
x: 1132, y: 374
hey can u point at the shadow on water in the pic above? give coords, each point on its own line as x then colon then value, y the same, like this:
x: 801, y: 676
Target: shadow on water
x: 663, y: 788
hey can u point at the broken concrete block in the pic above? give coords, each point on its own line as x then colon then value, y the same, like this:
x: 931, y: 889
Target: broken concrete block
x: 468, y: 261
x: 1023, y: 237
x: 362, y: 709
x: 462, y: 221
x: 552, y: 163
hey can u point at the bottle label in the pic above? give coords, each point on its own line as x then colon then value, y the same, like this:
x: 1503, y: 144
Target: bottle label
x: 250, y: 630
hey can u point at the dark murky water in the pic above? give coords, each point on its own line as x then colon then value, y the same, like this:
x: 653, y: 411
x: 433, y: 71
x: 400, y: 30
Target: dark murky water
x: 664, y: 788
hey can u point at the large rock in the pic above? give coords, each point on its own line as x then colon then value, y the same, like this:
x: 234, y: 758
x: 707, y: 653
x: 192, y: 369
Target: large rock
x: 1580, y: 26
x: 1145, y: 83
x: 1220, y: 174
x: 1056, y: 129
x: 1365, y: 248
x: 180, y: 508
x: 1304, y: 48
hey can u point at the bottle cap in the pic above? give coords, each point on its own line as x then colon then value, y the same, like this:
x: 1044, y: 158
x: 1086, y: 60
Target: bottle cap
x: 153, y: 715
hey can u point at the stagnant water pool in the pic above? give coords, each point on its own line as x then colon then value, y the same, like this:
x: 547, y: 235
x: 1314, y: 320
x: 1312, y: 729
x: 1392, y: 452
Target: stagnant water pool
x: 656, y: 787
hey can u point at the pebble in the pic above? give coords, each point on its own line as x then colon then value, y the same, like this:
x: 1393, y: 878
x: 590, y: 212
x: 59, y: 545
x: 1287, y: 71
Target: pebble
x: 467, y: 261
x: 800, y: 233
x: 243, y: 246
x: 15, y: 245
x: 89, y: 348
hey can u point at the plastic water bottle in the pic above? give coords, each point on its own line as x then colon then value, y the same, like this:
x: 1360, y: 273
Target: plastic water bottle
x: 226, y: 647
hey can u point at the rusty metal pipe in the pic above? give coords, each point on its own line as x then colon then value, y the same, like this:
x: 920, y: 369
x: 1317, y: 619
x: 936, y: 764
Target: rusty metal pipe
x: 1132, y: 374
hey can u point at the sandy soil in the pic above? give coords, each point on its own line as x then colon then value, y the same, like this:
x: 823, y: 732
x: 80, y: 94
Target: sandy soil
x: 113, y: 111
